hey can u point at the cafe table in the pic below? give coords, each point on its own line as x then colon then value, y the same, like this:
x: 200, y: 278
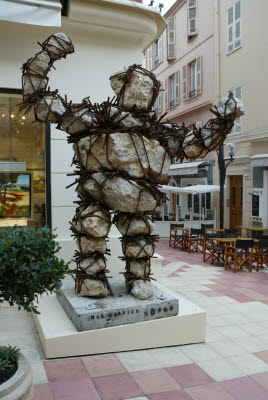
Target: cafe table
x: 253, y: 228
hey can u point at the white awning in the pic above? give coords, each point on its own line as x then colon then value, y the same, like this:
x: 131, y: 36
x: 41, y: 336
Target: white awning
x: 195, y: 189
x: 189, y: 168
x: 34, y: 12
x: 259, y: 160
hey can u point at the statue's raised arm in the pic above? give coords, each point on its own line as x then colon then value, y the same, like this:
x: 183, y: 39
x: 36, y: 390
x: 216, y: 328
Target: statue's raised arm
x: 197, y: 143
x: 48, y: 105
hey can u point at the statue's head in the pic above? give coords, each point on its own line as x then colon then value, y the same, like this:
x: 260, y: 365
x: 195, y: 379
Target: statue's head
x: 135, y: 87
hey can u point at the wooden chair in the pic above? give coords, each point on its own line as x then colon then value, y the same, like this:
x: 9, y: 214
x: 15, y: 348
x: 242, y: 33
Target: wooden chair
x: 195, y: 239
x: 262, y: 253
x: 240, y: 255
x: 207, y: 226
x: 175, y: 239
x: 211, y: 249
x: 230, y: 233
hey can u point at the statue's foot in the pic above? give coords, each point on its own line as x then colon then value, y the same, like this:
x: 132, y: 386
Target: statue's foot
x: 93, y: 288
x: 142, y: 289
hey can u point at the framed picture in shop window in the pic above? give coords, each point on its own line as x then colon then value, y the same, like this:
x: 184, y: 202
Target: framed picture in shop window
x: 15, y: 195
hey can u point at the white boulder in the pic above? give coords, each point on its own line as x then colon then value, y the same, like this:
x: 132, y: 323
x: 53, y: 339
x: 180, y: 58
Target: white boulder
x: 92, y: 266
x: 138, y: 92
x: 136, y: 155
x: 93, y: 288
x: 93, y: 221
x: 138, y: 248
x: 118, y: 194
x: 78, y: 121
x: 88, y: 244
x: 49, y: 109
x: 226, y: 107
x: 142, y: 289
x: 128, y: 225
x: 139, y: 268
x: 58, y: 45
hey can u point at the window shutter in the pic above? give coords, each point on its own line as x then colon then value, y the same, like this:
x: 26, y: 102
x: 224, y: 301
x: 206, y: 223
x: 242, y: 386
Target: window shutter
x: 160, y: 51
x: 237, y: 22
x: 160, y: 99
x: 192, y: 18
x: 171, y: 38
x: 184, y: 82
x: 166, y: 93
x: 234, y: 39
x: 177, y: 87
x: 198, y: 75
x: 150, y: 58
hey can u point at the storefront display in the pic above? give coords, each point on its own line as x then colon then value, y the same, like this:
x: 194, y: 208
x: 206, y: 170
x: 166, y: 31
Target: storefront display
x: 22, y: 166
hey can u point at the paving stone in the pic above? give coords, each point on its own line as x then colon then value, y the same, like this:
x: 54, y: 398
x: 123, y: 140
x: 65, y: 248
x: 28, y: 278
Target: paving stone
x: 245, y: 389
x: 42, y: 392
x: 64, y: 370
x: 81, y: 389
x: 189, y: 375
x: 211, y: 391
x: 155, y: 381
x: 173, y: 395
x: 103, y: 365
x: 115, y: 387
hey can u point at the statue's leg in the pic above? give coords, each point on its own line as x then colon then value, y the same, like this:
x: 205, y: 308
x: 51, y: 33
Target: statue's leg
x: 91, y: 226
x: 138, y: 248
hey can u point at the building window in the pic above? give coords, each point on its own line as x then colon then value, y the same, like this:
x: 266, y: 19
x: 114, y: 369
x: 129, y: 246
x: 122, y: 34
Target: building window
x: 172, y: 90
x: 172, y: 102
x: 192, y: 18
x: 192, y: 79
x: 159, y: 102
x: 237, y: 92
x: 156, y: 49
x: 192, y: 92
x: 22, y: 166
x: 234, y: 34
x: 171, y: 38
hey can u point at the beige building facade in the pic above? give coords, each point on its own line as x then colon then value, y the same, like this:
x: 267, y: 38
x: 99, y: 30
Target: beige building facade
x: 243, y: 61
x: 209, y: 48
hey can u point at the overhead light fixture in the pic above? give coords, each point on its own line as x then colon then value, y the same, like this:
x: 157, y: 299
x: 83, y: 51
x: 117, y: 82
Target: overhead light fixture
x: 12, y: 115
x: 23, y: 117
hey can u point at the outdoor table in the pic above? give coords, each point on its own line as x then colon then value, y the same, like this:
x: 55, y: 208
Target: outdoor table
x: 217, y: 230
x: 253, y: 228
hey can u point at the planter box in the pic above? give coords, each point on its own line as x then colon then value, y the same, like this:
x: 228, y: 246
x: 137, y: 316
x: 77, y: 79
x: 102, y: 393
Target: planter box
x: 20, y: 385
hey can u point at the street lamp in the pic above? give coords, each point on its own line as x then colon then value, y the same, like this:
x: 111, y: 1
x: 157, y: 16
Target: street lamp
x: 223, y: 164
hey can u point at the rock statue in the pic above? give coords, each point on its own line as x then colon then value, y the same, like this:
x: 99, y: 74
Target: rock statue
x: 122, y: 153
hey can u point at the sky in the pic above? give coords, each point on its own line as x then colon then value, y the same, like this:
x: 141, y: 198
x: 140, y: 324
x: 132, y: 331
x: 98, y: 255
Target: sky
x: 23, y: 180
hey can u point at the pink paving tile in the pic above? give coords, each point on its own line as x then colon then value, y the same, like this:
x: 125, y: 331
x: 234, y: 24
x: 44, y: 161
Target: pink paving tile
x: 60, y: 370
x: 189, y: 375
x: 155, y: 381
x: 42, y: 392
x: 264, y: 301
x: 177, y: 395
x: 102, y: 366
x: 262, y: 379
x: 212, y: 391
x: 82, y: 389
x: 245, y: 388
x: 115, y: 387
x: 242, y: 298
x: 263, y: 355
x: 173, y: 275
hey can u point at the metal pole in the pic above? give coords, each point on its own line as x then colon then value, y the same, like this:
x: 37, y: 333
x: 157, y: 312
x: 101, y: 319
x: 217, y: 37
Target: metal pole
x: 222, y: 170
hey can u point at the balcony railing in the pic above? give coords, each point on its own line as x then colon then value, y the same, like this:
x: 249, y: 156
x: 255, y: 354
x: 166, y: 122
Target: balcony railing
x: 172, y: 103
x: 192, y: 93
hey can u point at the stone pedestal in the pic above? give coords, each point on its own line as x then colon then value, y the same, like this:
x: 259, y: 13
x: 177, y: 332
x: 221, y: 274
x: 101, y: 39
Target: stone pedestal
x: 121, y: 309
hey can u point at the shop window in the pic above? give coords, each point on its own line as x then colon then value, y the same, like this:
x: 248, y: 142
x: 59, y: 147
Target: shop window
x: 22, y: 166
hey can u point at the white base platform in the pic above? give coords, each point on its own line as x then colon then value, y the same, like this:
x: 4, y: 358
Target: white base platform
x: 60, y: 338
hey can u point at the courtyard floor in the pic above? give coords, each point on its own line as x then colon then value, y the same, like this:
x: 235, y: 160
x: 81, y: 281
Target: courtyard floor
x: 232, y: 364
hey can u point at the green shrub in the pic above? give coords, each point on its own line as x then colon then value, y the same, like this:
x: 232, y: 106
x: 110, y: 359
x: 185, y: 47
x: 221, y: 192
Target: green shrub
x: 8, y: 362
x: 29, y: 266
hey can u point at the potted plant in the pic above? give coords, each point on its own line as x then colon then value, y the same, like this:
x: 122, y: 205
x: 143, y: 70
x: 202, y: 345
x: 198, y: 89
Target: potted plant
x: 29, y: 267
